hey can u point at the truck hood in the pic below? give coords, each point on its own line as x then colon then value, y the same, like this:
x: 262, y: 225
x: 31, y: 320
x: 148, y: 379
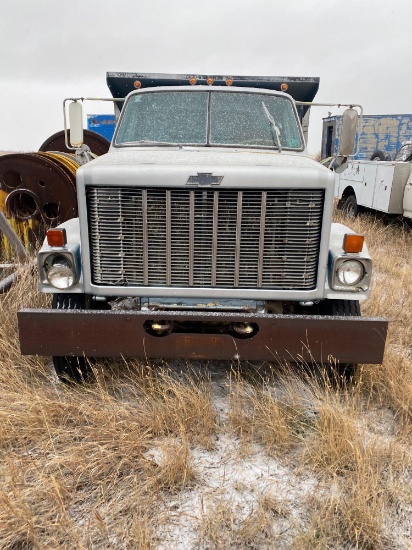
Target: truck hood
x: 173, y: 166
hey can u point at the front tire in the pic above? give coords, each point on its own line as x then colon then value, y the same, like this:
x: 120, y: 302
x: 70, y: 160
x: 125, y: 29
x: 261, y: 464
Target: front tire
x: 350, y: 206
x: 340, y: 308
x: 71, y: 369
x: 342, y: 372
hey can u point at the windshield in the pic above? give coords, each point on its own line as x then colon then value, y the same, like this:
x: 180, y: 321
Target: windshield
x: 238, y: 119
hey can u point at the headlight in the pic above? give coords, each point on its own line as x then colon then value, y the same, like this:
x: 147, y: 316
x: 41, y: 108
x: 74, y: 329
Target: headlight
x: 60, y: 273
x: 349, y: 273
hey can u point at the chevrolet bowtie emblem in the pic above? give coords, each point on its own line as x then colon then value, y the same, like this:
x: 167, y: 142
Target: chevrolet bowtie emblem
x: 204, y: 179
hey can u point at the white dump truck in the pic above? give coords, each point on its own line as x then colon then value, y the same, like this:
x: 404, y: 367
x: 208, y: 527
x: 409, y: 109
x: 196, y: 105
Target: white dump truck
x: 205, y: 232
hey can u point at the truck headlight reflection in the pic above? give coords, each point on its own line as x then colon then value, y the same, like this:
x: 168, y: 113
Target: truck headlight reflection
x: 350, y: 272
x: 60, y: 272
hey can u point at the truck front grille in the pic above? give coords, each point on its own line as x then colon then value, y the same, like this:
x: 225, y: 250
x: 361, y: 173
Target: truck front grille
x: 205, y: 237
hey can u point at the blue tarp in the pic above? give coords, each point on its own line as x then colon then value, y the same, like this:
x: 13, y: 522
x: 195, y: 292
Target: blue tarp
x: 102, y: 124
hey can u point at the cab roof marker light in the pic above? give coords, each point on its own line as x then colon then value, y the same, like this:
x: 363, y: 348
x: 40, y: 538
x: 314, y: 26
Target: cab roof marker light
x: 193, y: 81
x: 209, y: 81
x: 353, y: 243
x: 229, y: 81
x: 284, y: 86
x: 137, y: 84
x: 56, y: 237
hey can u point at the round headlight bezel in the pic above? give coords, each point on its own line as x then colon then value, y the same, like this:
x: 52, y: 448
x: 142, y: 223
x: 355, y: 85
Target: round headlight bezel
x: 350, y: 273
x: 60, y: 272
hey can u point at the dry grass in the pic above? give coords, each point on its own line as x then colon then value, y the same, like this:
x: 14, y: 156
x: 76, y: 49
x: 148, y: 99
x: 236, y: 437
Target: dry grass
x: 226, y: 527
x: 259, y: 413
x: 390, y: 245
x: 195, y: 455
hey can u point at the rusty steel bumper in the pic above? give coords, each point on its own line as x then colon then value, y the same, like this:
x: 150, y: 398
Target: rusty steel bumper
x: 278, y: 337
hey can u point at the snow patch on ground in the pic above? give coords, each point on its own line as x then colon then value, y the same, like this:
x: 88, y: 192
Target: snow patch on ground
x: 224, y: 476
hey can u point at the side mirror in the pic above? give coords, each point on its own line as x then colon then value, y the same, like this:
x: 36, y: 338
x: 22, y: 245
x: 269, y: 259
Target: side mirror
x: 348, y: 132
x: 340, y: 164
x: 76, y: 124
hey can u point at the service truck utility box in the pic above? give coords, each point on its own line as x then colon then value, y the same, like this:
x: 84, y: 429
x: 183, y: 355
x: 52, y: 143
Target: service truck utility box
x: 376, y: 185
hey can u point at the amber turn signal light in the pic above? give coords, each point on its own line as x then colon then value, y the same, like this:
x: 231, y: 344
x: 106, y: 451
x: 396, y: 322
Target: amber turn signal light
x: 353, y: 243
x: 56, y: 237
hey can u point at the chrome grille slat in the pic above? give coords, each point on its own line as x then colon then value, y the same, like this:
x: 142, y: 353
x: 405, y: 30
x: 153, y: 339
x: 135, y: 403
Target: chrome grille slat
x: 191, y: 236
x: 261, y: 237
x: 205, y: 237
x: 144, y: 239
x: 168, y: 239
x: 238, y: 236
x: 214, y: 235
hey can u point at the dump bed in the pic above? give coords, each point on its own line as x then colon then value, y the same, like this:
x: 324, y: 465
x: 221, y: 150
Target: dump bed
x: 300, y: 88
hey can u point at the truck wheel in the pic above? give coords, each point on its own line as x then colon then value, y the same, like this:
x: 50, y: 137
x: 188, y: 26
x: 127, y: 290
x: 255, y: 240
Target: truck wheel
x: 378, y: 155
x: 340, y: 308
x: 71, y: 369
x: 350, y: 207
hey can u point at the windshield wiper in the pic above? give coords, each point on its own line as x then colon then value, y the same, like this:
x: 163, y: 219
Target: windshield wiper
x: 275, y: 129
x: 150, y: 142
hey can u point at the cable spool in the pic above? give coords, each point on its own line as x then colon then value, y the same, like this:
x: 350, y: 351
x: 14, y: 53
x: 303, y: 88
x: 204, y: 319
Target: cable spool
x: 37, y: 191
x: 98, y: 144
x: 64, y: 160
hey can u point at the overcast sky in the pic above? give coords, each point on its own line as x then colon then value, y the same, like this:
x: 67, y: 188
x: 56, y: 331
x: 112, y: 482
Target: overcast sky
x: 51, y: 49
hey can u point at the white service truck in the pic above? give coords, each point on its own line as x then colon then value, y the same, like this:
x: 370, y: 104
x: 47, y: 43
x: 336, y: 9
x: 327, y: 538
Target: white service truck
x: 205, y: 232
x: 382, y: 186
